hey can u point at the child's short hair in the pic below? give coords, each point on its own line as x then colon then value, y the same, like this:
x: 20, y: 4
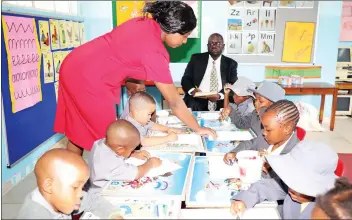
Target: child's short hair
x: 135, y: 81
x: 286, y: 112
x: 141, y: 98
x: 337, y: 203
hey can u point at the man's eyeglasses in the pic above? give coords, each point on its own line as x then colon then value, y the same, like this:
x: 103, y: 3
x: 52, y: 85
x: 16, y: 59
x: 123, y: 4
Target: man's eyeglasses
x: 215, y: 44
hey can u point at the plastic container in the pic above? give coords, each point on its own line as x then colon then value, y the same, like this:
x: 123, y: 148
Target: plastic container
x: 251, y: 165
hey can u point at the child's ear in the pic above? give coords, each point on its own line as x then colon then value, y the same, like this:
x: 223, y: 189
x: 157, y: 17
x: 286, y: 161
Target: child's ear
x: 129, y: 93
x: 288, y: 129
x: 48, y: 185
x: 120, y: 150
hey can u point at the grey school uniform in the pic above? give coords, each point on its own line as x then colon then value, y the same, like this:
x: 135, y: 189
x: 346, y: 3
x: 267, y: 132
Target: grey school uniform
x: 126, y: 110
x: 256, y: 126
x: 241, y: 114
x: 36, y: 207
x: 273, y: 190
x: 105, y: 165
x: 143, y: 129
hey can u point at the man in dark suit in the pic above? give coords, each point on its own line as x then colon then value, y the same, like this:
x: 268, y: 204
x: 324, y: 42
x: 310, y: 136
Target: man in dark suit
x: 208, y: 72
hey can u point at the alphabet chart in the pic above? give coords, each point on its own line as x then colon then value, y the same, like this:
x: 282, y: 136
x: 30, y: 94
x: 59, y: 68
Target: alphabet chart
x: 251, y: 25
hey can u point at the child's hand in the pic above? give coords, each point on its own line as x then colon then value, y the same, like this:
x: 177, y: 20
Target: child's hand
x: 225, y: 113
x: 172, y: 137
x: 266, y: 168
x: 237, y: 208
x: 142, y: 154
x: 227, y: 88
x: 155, y: 162
x: 230, y: 158
x: 174, y: 130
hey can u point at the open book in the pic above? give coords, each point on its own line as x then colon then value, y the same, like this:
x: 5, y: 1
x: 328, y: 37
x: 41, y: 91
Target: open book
x: 166, y: 166
x: 202, y: 94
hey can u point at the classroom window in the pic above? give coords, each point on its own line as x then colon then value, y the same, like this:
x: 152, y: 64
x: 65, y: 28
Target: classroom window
x: 61, y: 7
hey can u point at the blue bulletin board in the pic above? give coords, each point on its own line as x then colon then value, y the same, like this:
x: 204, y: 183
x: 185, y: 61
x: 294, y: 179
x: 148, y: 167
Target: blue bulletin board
x: 29, y: 128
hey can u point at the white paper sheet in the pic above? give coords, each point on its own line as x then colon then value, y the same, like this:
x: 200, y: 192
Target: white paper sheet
x: 210, y: 115
x: 240, y: 135
x: 261, y: 213
x: 219, y: 170
x: 166, y: 166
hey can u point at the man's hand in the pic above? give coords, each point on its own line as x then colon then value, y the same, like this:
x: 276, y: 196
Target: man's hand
x: 195, y: 91
x: 213, y: 98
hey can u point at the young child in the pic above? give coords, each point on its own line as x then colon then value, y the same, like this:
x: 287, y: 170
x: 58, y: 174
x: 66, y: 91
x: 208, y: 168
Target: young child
x: 336, y: 203
x: 240, y: 112
x: 266, y: 94
x: 304, y: 173
x: 132, y: 86
x: 106, y: 160
x: 142, y: 105
x: 60, y: 175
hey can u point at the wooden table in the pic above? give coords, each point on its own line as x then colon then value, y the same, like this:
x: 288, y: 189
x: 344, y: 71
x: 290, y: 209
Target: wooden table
x: 344, y: 85
x: 318, y: 88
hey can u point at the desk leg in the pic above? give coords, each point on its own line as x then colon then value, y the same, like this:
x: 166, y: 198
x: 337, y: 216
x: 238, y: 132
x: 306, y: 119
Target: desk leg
x: 322, y: 104
x: 333, y: 110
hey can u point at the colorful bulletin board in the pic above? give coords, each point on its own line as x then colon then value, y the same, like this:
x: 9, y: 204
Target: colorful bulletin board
x: 125, y: 10
x: 28, y: 80
x: 256, y: 30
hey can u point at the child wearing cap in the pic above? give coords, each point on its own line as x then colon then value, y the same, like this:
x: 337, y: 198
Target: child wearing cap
x: 266, y: 94
x: 240, y: 112
x: 336, y: 203
x: 304, y: 173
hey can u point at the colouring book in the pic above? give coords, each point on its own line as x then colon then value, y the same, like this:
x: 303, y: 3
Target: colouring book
x: 219, y: 147
x: 186, y: 143
x: 207, y: 192
x: 161, y: 208
x: 171, y: 183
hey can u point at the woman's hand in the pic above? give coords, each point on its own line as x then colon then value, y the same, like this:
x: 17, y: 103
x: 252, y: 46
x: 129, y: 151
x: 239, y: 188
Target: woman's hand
x: 203, y: 131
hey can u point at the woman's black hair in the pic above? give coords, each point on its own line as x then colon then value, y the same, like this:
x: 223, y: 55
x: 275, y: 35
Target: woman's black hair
x: 337, y: 203
x: 172, y: 16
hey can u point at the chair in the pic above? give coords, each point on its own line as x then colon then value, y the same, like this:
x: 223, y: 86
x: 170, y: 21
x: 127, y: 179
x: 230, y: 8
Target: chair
x: 339, y: 168
x: 301, y: 133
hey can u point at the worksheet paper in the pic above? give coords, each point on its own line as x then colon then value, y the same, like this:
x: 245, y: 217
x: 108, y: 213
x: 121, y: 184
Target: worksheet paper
x: 202, y: 94
x: 240, y: 135
x: 166, y: 166
x: 219, y: 170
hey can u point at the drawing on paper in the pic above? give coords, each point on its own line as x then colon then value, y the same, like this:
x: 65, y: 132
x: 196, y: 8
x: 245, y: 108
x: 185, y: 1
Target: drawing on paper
x: 44, y: 36
x: 286, y: 4
x: 298, y: 42
x: 62, y: 30
x: 54, y: 25
x: 234, y: 24
x: 250, y: 42
x: 69, y: 34
x: 269, y: 3
x: 267, y: 19
x: 234, y: 43
x: 236, y: 3
x: 48, y: 67
x: 250, y: 19
x: 252, y: 4
x: 266, y: 43
x: 57, y: 64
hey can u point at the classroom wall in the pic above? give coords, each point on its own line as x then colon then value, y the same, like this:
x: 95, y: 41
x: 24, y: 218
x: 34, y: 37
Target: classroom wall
x: 11, y: 176
x: 98, y: 20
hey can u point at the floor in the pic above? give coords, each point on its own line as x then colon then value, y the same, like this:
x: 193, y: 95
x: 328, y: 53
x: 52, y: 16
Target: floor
x: 340, y: 140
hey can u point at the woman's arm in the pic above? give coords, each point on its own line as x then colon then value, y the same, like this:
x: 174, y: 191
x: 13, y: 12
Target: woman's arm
x: 179, y: 108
